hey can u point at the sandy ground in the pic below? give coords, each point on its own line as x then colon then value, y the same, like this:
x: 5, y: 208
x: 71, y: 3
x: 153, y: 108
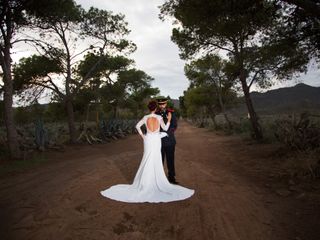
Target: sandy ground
x: 60, y: 199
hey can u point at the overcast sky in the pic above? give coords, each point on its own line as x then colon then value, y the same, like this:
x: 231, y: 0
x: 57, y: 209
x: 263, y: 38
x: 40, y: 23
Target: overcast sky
x: 156, y: 54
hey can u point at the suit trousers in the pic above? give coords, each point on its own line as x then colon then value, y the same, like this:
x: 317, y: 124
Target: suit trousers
x: 167, y: 153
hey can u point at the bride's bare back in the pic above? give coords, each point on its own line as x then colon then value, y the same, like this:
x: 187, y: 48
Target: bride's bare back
x: 152, y: 124
x: 150, y: 183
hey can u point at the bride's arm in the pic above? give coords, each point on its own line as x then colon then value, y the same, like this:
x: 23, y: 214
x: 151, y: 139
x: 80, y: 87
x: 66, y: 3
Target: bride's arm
x: 165, y: 126
x: 138, y: 126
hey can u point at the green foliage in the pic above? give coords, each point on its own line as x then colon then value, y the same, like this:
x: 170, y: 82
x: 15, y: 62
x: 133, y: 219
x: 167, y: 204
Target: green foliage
x: 242, y: 127
x: 137, y: 101
x: 298, y: 133
x: 129, y: 91
x: 249, y: 31
x: 210, y: 88
x: 299, y: 26
x: 107, y: 65
x: 22, y: 115
x: 12, y: 13
x: 51, y: 112
x: 170, y: 104
x: 83, y: 99
x: 245, y: 31
x: 113, y: 84
x: 28, y: 114
x: 48, y: 12
x: 35, y: 70
x: 108, y: 27
x: 206, y: 70
x: 220, y: 24
x: 182, y: 106
x: 213, y: 72
x: 199, y: 101
x: 62, y: 24
x: 55, y: 112
x: 134, y: 79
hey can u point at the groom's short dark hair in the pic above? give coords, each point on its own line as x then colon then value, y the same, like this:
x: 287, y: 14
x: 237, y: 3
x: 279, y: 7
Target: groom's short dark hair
x: 152, y: 105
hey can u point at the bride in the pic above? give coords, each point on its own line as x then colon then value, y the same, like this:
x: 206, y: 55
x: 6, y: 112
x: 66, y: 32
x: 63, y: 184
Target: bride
x: 150, y: 183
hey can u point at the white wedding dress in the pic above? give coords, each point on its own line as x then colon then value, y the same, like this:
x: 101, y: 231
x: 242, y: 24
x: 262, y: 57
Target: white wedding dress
x: 150, y: 183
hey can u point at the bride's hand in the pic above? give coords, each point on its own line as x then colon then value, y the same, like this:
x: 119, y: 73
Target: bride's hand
x: 169, y: 116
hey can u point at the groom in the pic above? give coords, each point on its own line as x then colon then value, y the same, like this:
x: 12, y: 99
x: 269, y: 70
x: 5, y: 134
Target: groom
x: 168, y: 143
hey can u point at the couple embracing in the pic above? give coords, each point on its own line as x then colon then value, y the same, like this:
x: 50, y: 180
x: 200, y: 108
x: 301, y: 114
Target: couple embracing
x: 151, y: 183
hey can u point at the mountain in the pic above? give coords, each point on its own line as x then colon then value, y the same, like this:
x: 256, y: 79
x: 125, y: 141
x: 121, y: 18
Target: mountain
x: 176, y: 103
x: 298, y: 98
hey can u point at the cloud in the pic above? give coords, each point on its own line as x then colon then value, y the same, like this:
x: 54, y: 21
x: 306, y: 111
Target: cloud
x: 157, y: 55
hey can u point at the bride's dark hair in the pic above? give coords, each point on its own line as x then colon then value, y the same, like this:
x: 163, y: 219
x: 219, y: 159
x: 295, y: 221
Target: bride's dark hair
x: 152, y: 105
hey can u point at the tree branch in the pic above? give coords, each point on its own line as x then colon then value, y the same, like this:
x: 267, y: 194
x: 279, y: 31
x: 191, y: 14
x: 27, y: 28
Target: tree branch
x: 211, y: 44
x: 88, y: 75
x: 42, y: 85
x: 55, y: 86
x: 89, y: 48
x: 254, y: 77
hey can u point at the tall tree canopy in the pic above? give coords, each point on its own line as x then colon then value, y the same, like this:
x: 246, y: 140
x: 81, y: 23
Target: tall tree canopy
x: 66, y: 33
x: 212, y: 72
x: 299, y: 25
x: 12, y: 18
x: 241, y: 30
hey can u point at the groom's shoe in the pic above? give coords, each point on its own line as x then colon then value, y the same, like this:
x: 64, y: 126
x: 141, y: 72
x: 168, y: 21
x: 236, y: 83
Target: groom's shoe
x: 173, y: 181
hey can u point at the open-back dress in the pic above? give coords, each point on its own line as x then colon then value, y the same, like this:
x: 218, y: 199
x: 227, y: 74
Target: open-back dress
x: 150, y: 183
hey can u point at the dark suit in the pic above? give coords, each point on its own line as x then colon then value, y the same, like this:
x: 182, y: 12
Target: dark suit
x: 168, y: 143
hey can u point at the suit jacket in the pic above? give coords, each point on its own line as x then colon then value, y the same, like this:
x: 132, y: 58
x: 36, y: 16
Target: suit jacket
x: 170, y: 140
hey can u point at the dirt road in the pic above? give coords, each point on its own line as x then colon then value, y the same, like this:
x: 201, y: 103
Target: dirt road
x: 61, y: 199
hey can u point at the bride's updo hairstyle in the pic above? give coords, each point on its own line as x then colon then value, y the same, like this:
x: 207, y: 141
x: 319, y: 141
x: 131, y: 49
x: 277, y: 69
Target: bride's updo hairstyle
x: 152, y: 105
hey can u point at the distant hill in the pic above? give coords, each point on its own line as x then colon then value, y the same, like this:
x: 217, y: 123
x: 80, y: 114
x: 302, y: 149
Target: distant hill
x: 298, y: 98
x: 176, y: 103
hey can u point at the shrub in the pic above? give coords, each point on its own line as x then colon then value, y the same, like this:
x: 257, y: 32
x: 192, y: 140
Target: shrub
x: 298, y: 133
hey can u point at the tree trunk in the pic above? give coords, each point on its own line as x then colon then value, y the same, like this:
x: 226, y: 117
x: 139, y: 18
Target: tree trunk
x: 253, y: 116
x: 213, y: 118
x: 223, y: 110
x: 212, y: 115
x: 115, y: 111
x: 12, y: 136
x: 227, y: 119
x: 71, y: 123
